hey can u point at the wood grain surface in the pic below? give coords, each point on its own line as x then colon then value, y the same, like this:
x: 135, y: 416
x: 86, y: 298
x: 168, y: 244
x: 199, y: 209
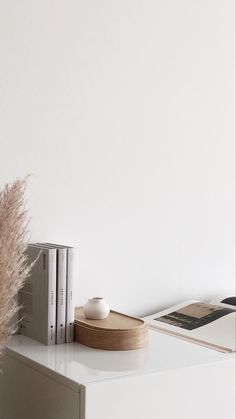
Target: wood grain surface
x: 117, y: 332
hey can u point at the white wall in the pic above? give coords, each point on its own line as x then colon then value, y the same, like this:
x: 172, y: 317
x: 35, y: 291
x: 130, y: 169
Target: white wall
x: 123, y: 111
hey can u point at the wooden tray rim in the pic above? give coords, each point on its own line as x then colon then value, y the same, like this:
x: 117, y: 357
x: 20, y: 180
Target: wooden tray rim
x: 122, y: 333
x: 82, y: 323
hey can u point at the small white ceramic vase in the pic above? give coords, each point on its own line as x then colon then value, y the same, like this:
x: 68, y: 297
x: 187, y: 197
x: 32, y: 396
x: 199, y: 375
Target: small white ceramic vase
x: 96, y: 308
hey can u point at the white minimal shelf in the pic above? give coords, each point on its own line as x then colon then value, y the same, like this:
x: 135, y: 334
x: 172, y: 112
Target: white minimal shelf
x: 168, y: 379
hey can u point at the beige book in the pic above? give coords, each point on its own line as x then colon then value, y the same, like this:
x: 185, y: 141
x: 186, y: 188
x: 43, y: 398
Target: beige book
x: 38, y: 297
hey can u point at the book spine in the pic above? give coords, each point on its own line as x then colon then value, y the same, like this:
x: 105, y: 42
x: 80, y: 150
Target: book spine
x: 70, y: 296
x: 52, y: 276
x: 61, y: 295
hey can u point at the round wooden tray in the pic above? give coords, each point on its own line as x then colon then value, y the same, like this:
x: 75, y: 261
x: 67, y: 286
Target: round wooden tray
x: 117, y: 332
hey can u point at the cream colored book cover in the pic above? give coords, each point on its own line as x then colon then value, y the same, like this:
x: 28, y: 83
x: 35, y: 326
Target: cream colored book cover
x: 38, y: 297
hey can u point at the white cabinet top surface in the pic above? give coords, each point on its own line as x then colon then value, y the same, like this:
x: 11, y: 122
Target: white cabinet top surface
x: 75, y: 364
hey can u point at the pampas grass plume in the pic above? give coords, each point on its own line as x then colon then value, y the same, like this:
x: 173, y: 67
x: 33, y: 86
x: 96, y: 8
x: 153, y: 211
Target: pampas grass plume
x: 13, y: 261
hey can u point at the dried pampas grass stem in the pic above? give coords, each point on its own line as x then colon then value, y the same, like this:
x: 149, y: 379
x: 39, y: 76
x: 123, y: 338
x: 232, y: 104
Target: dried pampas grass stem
x: 13, y: 261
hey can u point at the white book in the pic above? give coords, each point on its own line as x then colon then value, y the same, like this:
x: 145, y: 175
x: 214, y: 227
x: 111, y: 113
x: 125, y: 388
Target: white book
x: 210, y: 325
x: 38, y: 296
x: 70, y: 309
x: 69, y: 290
x: 61, y: 295
x: 60, y: 290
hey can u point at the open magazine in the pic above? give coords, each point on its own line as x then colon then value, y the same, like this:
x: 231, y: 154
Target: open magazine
x: 211, y: 325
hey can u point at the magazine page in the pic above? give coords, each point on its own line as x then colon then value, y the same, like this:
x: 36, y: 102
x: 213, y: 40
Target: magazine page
x: 211, y: 325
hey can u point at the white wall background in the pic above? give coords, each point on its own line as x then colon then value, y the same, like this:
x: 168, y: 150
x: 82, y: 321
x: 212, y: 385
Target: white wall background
x: 123, y: 110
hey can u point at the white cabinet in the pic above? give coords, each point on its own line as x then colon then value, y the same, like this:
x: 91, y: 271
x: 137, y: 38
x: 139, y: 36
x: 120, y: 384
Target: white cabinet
x: 27, y: 393
x: 169, y: 379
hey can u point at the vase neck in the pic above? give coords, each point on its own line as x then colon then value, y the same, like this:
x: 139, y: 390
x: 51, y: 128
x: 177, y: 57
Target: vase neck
x: 96, y: 300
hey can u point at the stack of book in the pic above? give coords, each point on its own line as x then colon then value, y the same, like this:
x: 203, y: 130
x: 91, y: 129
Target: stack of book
x: 46, y: 300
